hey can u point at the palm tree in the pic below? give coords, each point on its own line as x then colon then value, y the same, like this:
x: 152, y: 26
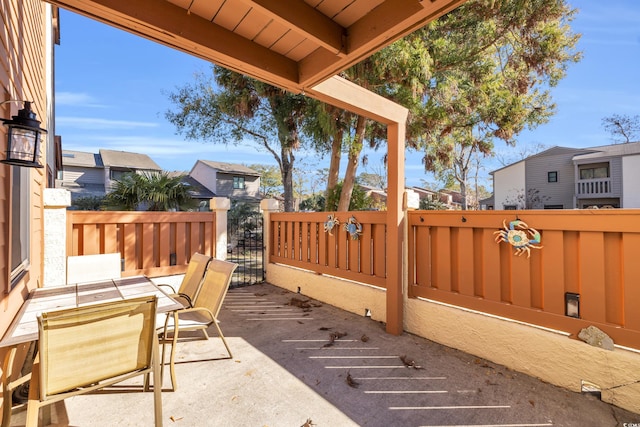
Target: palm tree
x: 151, y: 191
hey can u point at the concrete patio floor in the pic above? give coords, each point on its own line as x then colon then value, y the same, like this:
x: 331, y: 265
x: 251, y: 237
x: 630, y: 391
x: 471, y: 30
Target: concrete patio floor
x: 289, y: 370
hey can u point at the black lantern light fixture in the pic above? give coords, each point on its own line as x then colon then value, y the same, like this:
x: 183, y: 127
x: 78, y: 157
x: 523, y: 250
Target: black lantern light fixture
x: 23, y: 138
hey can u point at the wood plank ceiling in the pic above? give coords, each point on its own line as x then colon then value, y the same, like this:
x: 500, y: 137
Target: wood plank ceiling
x: 293, y: 44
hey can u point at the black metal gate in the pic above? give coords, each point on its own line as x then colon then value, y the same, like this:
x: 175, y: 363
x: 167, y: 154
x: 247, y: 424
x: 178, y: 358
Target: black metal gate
x: 245, y: 247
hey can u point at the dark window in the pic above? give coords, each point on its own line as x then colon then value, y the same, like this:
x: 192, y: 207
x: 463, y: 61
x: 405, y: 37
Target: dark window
x: 596, y: 172
x: 20, y: 214
x: 553, y: 206
x: 116, y: 175
x: 552, y: 176
x: 510, y: 207
x: 238, y: 182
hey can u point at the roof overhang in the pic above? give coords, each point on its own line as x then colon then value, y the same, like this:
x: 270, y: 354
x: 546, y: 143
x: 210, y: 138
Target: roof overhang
x: 293, y: 44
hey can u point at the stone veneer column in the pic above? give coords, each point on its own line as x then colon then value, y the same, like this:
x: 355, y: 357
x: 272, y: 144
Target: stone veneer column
x: 221, y: 205
x: 56, y: 202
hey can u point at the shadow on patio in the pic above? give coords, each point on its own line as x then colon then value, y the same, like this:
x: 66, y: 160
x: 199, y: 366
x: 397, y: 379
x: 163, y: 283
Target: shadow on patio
x: 288, y: 369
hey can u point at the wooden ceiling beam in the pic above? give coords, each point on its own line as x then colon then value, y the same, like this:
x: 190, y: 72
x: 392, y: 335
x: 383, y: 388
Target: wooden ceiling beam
x: 306, y: 21
x: 166, y: 23
x: 385, y: 24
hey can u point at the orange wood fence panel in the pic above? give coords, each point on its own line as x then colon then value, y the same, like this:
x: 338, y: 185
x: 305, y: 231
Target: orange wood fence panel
x: 150, y: 243
x: 300, y: 240
x: 453, y: 258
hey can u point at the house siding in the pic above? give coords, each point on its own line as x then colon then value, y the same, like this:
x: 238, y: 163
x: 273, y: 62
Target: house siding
x: 507, y: 183
x: 82, y: 175
x: 225, y: 186
x: 205, y: 175
x: 551, y: 193
x: 615, y: 171
x: 631, y: 181
x: 24, y: 55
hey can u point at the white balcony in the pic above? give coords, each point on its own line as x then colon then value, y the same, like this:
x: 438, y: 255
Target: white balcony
x: 600, y: 187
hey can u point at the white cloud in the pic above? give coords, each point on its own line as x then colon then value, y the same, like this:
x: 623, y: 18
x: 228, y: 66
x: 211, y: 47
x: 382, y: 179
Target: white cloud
x: 76, y: 99
x: 93, y: 123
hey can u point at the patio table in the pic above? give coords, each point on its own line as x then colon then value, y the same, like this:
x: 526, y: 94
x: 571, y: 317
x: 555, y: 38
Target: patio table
x: 24, y: 327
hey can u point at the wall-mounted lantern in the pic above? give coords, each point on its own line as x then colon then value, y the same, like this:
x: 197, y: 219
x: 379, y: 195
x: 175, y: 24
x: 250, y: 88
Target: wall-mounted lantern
x: 23, y: 138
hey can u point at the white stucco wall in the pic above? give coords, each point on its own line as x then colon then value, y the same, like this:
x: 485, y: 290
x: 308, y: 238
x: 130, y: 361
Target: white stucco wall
x: 507, y: 183
x: 631, y: 182
x: 56, y: 201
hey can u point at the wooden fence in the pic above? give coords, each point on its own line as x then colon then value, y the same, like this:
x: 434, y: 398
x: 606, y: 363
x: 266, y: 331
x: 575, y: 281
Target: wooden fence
x: 453, y: 258
x: 150, y: 243
x: 300, y: 240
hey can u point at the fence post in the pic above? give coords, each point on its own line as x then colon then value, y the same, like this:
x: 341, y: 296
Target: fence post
x: 56, y: 201
x: 220, y: 206
x: 267, y: 206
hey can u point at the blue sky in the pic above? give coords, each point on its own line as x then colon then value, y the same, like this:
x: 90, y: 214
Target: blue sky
x: 111, y: 92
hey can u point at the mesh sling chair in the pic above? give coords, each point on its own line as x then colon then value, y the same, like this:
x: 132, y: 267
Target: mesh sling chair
x: 187, y: 292
x: 113, y: 341
x: 204, y: 311
x: 191, y: 281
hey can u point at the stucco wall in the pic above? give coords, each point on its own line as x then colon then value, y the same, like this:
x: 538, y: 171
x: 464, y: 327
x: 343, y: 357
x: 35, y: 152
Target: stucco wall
x: 551, y: 356
x: 350, y: 296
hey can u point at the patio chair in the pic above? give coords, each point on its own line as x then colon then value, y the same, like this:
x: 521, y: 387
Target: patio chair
x: 91, y: 268
x: 92, y: 347
x: 191, y: 281
x: 203, y: 313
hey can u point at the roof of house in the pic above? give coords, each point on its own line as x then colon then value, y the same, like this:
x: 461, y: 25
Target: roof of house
x: 630, y: 148
x: 125, y: 159
x: 81, y: 158
x: 196, y: 189
x: 553, y: 151
x: 230, y: 168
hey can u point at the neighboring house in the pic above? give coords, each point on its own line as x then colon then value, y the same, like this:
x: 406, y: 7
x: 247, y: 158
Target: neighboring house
x: 448, y: 198
x: 237, y: 182
x: 196, y: 190
x: 89, y: 174
x: 568, y: 178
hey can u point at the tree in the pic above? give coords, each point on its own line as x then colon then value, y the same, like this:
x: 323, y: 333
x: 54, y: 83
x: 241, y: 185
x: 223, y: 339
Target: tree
x: 377, y: 178
x: 270, y: 179
x: 359, y: 199
x: 231, y: 107
x: 151, y: 191
x: 432, y: 205
x: 532, y: 199
x: 622, y: 127
x: 520, y: 153
x: 492, y: 65
x: 314, y: 203
x: 87, y: 203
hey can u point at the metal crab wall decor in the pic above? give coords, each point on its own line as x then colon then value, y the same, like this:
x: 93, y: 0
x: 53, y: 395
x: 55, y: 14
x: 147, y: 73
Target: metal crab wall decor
x: 353, y: 227
x: 332, y: 221
x: 520, y: 236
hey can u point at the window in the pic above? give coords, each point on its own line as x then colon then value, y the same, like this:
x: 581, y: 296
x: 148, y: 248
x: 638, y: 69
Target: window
x: 552, y: 176
x: 595, y: 172
x: 238, y: 182
x: 116, y: 175
x: 553, y: 206
x: 510, y: 207
x: 20, y: 217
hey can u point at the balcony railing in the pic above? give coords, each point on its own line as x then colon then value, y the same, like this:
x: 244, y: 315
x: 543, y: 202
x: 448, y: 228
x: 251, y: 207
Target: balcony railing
x: 594, y: 187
